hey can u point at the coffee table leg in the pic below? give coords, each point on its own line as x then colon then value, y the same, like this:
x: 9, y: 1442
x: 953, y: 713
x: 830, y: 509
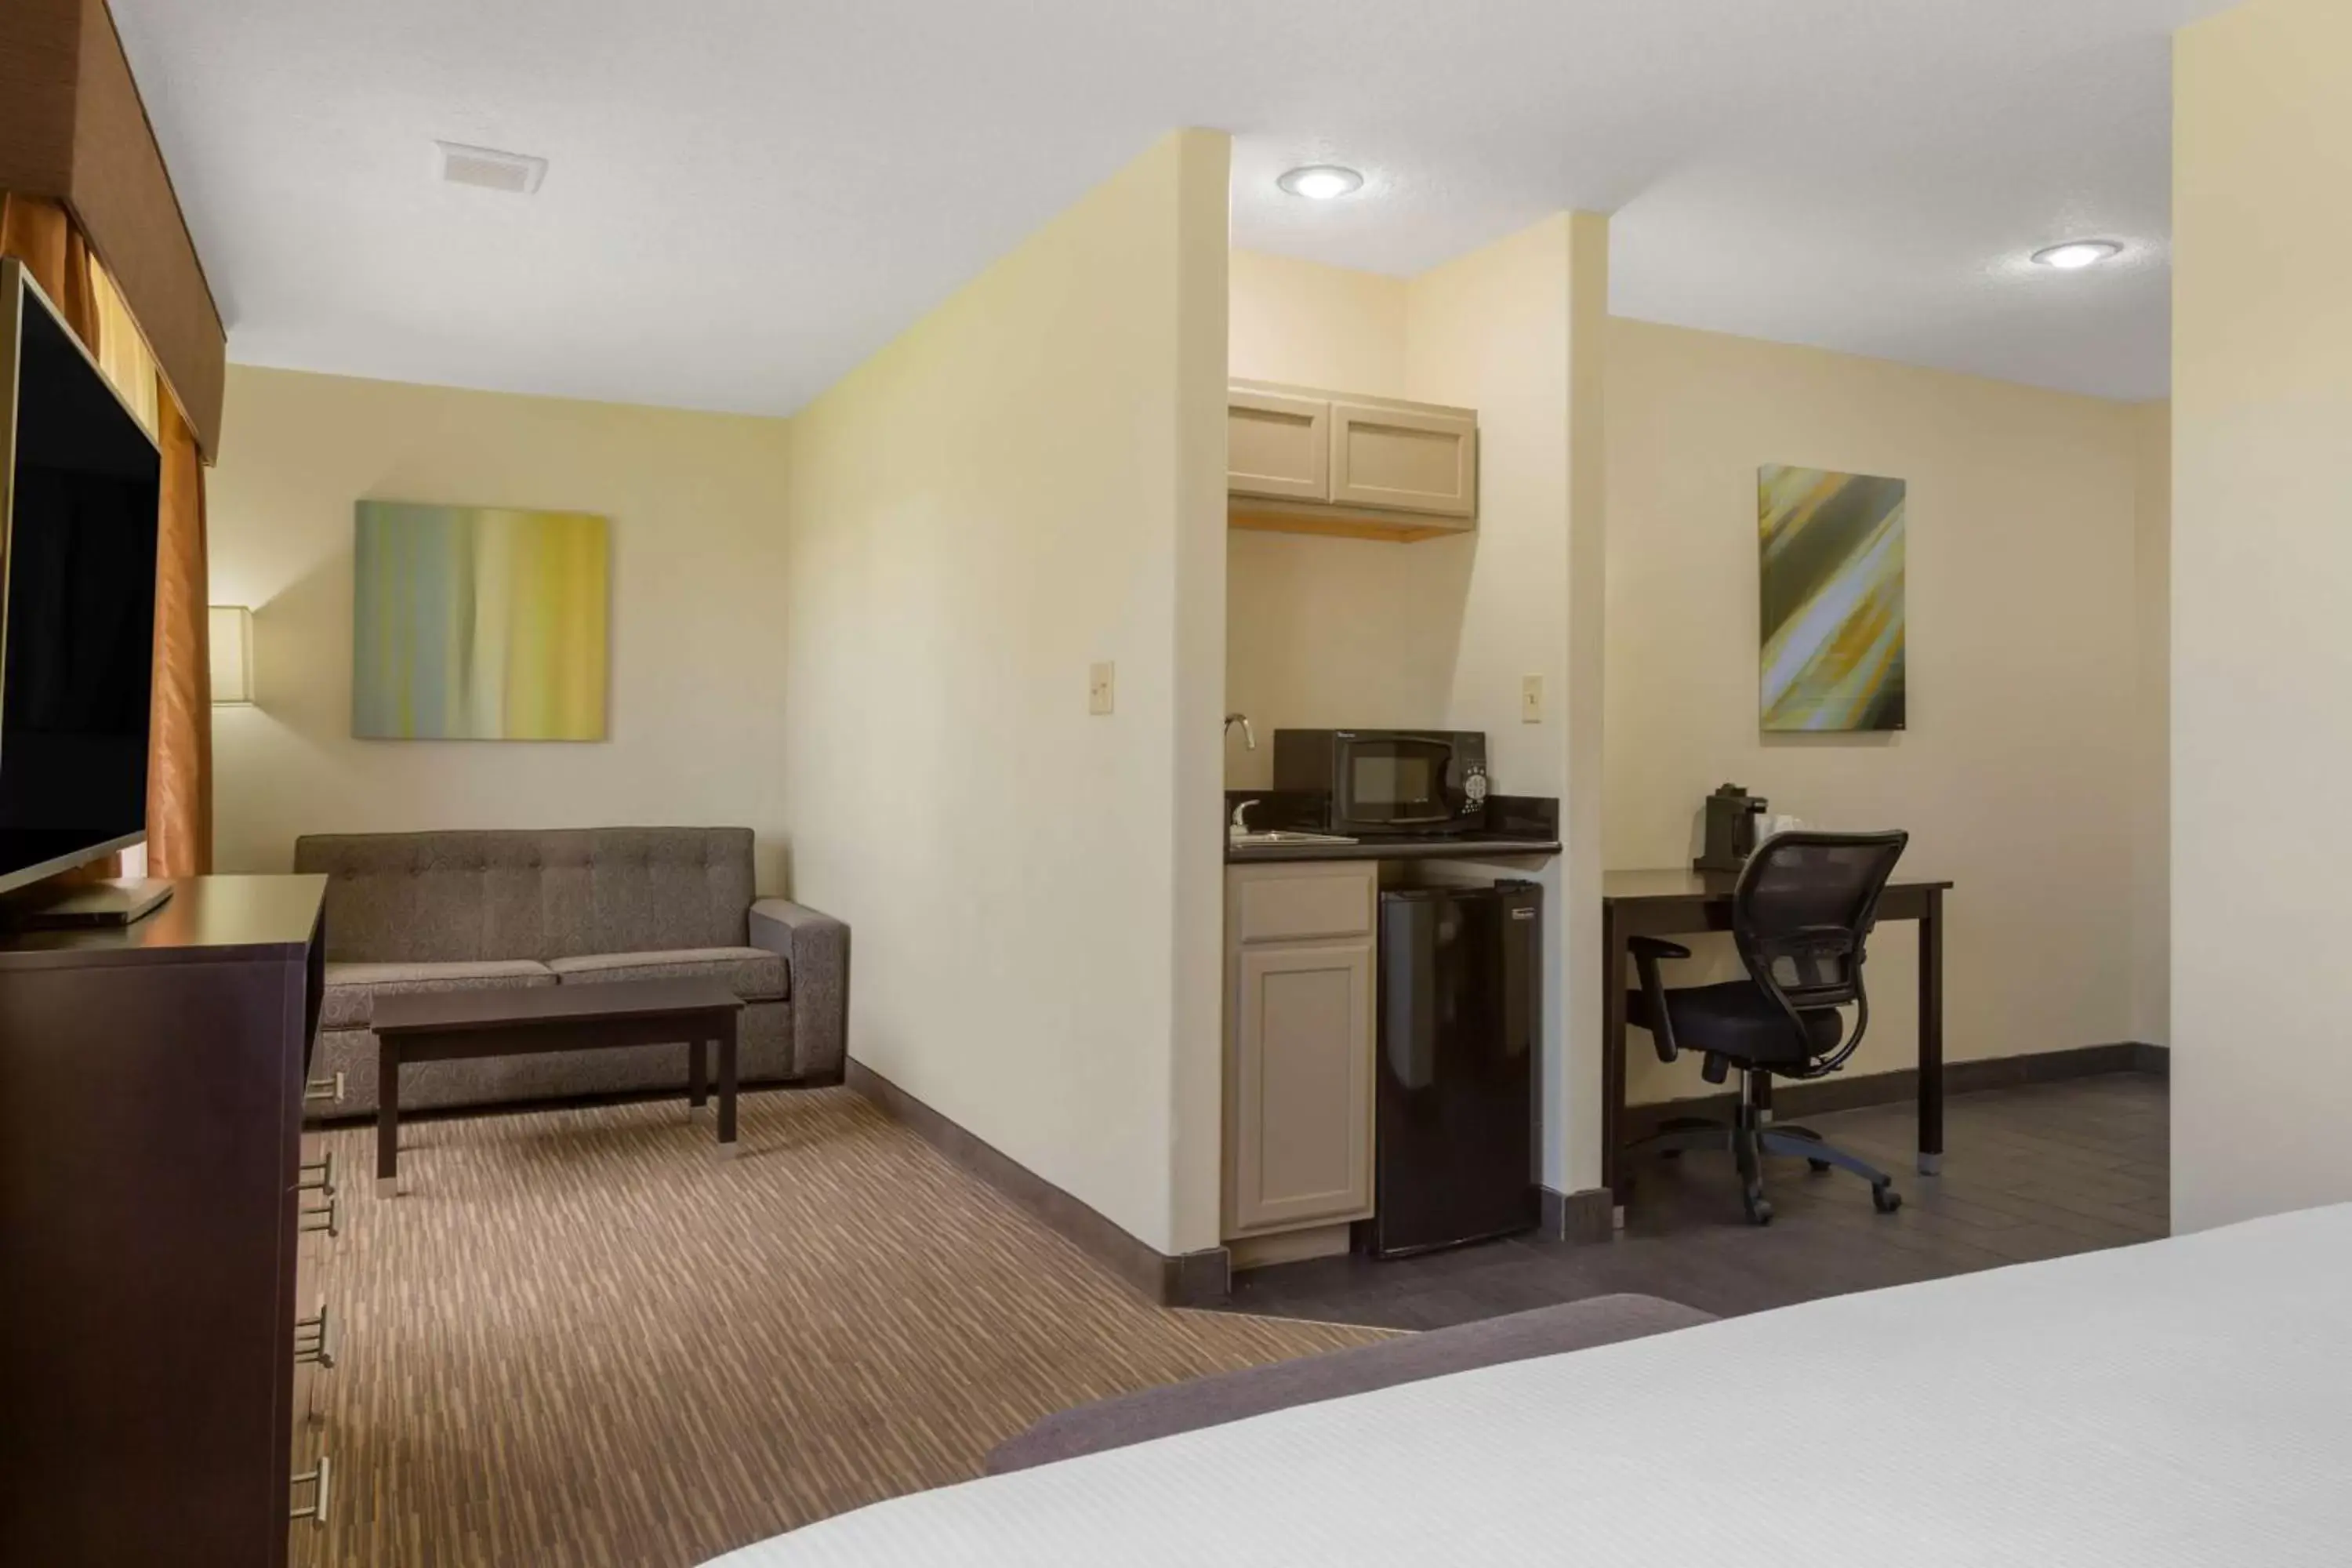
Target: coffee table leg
x: 698, y: 1091
x: 387, y: 1117
x: 727, y: 1086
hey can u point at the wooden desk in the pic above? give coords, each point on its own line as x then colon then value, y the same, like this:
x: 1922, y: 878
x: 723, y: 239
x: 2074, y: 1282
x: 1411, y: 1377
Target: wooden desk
x: 1685, y: 904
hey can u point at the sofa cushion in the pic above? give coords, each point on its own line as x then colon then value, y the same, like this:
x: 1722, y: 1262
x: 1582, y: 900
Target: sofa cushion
x: 352, y: 988
x: 751, y: 972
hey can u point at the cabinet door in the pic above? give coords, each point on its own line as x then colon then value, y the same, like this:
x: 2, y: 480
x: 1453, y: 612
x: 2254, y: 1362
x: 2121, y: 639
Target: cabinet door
x: 1277, y: 445
x: 1402, y: 459
x: 1300, y: 1138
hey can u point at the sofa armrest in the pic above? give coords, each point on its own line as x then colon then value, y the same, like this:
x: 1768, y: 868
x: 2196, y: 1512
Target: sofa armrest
x: 816, y: 947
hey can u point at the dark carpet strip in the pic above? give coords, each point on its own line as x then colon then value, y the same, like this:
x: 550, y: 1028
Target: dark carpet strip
x: 580, y: 1338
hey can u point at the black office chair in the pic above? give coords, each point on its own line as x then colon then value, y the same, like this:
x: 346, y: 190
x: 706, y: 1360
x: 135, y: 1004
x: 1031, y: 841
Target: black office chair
x: 1801, y: 915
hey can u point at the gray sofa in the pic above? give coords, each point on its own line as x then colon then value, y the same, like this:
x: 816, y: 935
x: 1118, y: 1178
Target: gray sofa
x: 473, y: 911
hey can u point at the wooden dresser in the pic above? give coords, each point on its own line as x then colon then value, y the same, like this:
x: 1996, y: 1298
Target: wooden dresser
x: 160, y: 1326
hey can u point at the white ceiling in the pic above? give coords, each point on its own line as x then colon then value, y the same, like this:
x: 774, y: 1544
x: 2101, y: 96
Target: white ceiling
x: 747, y: 198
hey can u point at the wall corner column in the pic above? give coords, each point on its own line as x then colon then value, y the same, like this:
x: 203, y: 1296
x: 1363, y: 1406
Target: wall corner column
x: 1575, y: 1164
x: 1203, y: 245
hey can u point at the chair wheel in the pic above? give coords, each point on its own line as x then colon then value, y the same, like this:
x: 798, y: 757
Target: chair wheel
x: 1759, y: 1209
x: 1885, y: 1200
x: 1820, y: 1166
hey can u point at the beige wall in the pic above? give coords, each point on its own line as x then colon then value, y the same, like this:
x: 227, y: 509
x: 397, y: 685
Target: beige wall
x: 1514, y: 331
x: 2016, y: 775
x: 698, y: 637
x: 2037, y: 601
x: 2152, y: 729
x: 1028, y: 480
x: 2262, y: 649
x: 1325, y: 632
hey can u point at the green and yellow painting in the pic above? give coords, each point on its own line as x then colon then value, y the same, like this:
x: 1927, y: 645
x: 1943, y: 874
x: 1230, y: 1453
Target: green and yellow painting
x: 1833, y: 599
x: 478, y: 624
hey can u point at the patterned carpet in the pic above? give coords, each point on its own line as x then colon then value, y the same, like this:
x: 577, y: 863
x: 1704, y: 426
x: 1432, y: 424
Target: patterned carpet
x: 579, y: 1338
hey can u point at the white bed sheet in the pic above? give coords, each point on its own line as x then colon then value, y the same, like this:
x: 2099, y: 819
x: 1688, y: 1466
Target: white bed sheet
x: 2186, y: 1403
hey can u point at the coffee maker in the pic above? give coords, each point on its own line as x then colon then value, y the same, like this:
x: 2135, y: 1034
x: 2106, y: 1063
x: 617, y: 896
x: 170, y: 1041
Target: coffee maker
x: 1732, y: 815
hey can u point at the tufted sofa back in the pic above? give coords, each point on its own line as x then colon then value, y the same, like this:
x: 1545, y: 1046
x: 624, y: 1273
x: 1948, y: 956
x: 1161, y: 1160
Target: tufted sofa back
x: 431, y: 898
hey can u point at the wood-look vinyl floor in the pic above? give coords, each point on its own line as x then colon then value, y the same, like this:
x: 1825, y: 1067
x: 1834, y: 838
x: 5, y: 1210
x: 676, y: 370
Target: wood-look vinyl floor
x: 2030, y: 1173
x: 580, y: 1340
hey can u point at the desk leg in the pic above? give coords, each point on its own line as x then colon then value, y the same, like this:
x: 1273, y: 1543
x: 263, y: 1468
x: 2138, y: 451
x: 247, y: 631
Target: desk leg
x: 387, y: 1117
x: 1931, y: 1035
x: 726, y: 1086
x: 1613, y: 1061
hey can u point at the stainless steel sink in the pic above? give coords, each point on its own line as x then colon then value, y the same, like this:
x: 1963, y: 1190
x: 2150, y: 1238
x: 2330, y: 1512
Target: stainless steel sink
x: 1281, y: 836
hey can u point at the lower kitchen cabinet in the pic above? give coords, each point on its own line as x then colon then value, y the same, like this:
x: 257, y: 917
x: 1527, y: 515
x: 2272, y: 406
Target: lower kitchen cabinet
x: 1300, y: 1037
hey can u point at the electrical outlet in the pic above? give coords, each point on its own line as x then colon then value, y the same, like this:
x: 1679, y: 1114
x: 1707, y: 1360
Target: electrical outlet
x: 1531, y: 700
x: 1100, y: 692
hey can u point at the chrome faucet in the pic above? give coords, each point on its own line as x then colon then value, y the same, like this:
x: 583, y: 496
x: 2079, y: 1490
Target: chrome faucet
x: 1249, y: 736
x: 1240, y: 819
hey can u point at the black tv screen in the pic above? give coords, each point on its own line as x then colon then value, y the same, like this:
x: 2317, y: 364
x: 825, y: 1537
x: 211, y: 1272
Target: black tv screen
x: 77, y: 528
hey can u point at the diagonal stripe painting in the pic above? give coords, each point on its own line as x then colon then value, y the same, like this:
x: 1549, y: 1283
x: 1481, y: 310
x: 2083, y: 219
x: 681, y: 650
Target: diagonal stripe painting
x: 1833, y: 599
x: 478, y: 624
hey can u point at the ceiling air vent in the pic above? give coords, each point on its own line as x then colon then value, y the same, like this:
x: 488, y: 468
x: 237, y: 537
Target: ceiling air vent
x: 491, y: 168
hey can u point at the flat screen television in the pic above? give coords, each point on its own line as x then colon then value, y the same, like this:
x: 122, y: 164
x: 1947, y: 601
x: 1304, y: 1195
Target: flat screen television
x: 79, y: 483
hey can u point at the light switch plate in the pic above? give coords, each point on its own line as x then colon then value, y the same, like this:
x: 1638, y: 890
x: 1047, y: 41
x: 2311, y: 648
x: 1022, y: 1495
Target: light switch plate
x: 1101, y: 694
x: 1531, y: 700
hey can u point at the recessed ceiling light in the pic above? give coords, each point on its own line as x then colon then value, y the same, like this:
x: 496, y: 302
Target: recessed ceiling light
x: 2077, y: 253
x: 1321, y: 182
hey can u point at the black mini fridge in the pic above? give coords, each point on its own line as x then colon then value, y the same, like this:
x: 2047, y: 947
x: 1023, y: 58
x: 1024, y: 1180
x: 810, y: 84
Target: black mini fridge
x: 1461, y: 1010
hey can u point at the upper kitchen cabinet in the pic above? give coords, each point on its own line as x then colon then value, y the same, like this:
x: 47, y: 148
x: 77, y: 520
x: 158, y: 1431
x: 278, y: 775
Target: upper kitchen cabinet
x: 1405, y: 460
x: 1301, y: 460
x: 1276, y: 446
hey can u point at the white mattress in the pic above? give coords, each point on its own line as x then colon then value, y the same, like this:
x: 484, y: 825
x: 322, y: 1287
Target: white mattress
x: 2183, y: 1403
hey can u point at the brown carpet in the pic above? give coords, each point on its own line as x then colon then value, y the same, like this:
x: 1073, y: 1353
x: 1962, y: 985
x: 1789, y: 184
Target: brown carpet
x: 580, y: 1338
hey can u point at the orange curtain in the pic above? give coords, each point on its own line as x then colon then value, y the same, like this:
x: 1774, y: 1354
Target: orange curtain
x: 180, y: 740
x: 42, y: 233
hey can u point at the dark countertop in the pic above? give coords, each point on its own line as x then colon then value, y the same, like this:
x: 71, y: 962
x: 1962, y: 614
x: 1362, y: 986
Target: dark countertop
x: 1460, y: 847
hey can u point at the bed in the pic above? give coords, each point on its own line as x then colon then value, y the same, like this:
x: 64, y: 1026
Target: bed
x: 2182, y: 1402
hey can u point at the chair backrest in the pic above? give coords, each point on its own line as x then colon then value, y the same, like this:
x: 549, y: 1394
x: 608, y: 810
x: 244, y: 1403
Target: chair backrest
x: 1801, y: 913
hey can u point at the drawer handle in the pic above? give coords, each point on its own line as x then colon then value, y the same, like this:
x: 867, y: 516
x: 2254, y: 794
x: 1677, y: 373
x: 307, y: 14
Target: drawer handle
x: 314, y: 1340
x: 317, y: 1478
x: 327, y: 1088
x: 326, y: 1218
x: 317, y: 1176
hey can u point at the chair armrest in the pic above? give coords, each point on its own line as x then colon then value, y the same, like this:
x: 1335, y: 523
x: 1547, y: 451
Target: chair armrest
x: 1648, y: 952
x: 816, y: 947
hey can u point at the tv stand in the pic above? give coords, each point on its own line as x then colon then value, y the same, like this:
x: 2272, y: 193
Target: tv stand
x: 117, y: 902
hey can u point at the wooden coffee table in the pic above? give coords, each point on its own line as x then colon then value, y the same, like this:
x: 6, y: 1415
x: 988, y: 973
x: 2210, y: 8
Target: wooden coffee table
x: 453, y: 1026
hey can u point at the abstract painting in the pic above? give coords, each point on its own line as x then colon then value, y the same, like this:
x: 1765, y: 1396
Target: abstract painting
x: 1833, y: 599
x: 478, y: 624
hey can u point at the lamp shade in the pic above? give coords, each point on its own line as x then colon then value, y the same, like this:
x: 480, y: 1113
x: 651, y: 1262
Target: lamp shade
x: 231, y: 631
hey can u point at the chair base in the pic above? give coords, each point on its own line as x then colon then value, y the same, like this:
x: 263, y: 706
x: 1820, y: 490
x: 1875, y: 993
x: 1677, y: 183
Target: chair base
x: 1749, y: 1138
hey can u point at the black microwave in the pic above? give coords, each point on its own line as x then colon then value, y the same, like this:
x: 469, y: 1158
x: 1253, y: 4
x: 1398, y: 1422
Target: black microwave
x: 1387, y: 781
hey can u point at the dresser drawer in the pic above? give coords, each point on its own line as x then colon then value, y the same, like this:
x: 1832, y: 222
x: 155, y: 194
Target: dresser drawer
x: 317, y: 1334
